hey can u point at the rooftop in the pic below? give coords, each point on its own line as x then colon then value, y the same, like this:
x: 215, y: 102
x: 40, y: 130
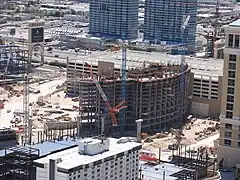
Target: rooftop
x: 136, y: 59
x: 235, y: 23
x: 71, y: 158
x: 157, y: 172
x: 48, y: 147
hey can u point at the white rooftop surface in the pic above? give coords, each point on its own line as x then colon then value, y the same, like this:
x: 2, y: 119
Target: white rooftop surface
x: 76, y: 7
x: 71, y: 158
x: 235, y: 23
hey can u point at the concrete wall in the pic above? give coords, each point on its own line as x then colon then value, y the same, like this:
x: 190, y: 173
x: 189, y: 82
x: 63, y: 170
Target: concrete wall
x: 60, y: 125
x: 230, y: 155
x: 214, y: 104
x: 105, y: 68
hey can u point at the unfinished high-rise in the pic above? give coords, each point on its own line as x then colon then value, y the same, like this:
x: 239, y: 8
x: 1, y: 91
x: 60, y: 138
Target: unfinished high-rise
x: 156, y: 93
x: 163, y: 22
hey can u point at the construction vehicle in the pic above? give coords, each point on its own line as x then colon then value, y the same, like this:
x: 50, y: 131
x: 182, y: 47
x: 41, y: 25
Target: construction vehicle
x: 115, y: 48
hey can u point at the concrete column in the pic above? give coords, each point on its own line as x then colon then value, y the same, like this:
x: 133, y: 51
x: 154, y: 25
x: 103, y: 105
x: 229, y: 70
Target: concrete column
x: 139, y: 127
x: 52, y: 166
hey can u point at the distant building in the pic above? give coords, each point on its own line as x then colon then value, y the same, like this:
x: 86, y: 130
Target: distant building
x: 93, y: 159
x: 163, y: 21
x: 229, y: 141
x: 219, y: 48
x: 114, y: 18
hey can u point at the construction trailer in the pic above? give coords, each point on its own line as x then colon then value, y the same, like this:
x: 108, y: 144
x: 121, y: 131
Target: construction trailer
x: 12, y: 59
x: 153, y: 94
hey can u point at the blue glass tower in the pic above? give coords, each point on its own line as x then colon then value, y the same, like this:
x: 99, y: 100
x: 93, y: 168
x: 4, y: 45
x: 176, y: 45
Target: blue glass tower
x: 114, y: 18
x: 164, y: 18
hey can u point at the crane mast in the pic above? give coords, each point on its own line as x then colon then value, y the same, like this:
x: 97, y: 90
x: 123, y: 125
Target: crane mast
x: 112, y: 110
x: 182, y: 68
x: 123, y: 90
x: 27, y: 122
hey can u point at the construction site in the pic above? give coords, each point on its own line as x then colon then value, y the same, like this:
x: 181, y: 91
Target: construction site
x: 156, y: 93
x: 88, y: 99
x: 12, y: 62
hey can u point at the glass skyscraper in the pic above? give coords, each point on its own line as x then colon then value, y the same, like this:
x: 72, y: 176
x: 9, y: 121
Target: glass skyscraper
x: 116, y: 19
x: 164, y: 18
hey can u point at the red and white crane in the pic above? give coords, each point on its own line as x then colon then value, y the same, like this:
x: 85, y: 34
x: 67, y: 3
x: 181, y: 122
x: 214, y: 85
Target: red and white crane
x: 111, y: 110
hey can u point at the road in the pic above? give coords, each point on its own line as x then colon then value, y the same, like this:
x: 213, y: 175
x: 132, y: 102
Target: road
x: 16, y: 103
x: 62, y: 55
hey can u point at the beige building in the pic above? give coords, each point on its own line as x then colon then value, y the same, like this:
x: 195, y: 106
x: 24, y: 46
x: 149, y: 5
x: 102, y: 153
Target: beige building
x: 205, y: 84
x: 229, y: 141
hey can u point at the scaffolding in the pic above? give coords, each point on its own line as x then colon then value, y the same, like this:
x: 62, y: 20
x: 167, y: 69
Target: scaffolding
x: 17, y: 164
x: 12, y: 59
x: 153, y: 94
x: 210, y: 45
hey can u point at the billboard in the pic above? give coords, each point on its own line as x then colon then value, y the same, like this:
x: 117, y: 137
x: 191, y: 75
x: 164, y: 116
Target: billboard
x: 37, y: 35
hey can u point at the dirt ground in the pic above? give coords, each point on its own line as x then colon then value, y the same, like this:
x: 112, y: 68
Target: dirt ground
x: 193, y: 132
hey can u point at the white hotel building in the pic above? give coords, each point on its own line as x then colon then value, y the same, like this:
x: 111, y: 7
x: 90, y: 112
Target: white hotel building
x: 93, y: 159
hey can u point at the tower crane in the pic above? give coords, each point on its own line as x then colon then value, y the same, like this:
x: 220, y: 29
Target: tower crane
x: 111, y: 110
x: 182, y: 66
x: 124, y: 79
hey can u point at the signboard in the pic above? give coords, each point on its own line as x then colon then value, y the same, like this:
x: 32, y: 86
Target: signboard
x: 37, y: 35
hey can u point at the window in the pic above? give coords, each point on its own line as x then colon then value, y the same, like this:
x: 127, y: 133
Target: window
x: 231, y: 74
x: 231, y: 82
x: 229, y: 106
x: 232, y: 58
x: 228, y: 126
x: 228, y: 134
x: 203, y: 96
x: 227, y: 142
x: 238, y: 144
x: 230, y: 40
x: 236, y: 41
x: 230, y: 98
x: 229, y: 114
x: 230, y: 90
x: 232, y: 66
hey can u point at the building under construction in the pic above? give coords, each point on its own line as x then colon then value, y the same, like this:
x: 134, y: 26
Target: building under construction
x: 12, y: 61
x: 156, y: 93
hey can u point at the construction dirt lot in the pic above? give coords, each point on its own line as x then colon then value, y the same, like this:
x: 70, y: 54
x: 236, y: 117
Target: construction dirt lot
x: 193, y: 132
x: 53, y: 105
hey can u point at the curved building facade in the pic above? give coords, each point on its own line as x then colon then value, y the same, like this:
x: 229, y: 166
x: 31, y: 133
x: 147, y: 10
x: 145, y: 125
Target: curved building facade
x: 158, y: 94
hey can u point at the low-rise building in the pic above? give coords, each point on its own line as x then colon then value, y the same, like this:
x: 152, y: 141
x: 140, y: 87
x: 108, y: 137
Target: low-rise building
x: 94, y: 159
